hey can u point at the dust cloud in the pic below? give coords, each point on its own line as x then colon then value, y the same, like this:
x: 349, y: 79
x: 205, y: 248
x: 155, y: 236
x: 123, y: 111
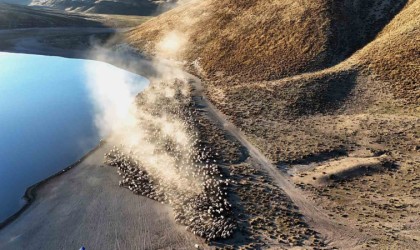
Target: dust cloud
x: 153, y: 129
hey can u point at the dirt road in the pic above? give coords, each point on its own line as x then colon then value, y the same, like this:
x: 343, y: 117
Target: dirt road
x: 337, y: 235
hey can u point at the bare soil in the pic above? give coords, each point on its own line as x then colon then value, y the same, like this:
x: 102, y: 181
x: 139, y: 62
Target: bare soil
x: 86, y: 207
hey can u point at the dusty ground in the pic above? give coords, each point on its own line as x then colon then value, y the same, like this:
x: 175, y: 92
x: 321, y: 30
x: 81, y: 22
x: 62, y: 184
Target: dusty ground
x: 263, y: 194
x: 86, y: 207
x: 381, y: 203
x: 363, y: 168
x: 290, y: 228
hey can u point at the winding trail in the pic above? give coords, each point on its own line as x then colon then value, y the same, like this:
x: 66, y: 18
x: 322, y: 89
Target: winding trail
x: 336, y: 234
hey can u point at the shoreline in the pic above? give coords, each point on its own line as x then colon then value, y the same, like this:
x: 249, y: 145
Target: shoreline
x: 112, y: 57
x: 30, y: 192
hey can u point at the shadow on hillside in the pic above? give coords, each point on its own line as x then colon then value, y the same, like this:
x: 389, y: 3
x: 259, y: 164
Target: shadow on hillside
x: 357, y: 23
x: 322, y: 95
x: 317, y: 157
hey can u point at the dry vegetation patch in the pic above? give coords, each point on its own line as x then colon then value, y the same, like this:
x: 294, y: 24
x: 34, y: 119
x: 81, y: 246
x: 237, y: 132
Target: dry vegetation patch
x: 383, y: 204
x: 266, y: 216
x: 316, y: 84
x: 394, y: 56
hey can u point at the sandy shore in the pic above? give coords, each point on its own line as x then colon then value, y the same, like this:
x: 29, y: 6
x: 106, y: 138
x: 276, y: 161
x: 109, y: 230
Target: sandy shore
x: 85, y: 207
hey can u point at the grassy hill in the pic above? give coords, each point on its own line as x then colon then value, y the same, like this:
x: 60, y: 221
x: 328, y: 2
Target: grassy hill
x: 312, y: 81
x: 270, y: 40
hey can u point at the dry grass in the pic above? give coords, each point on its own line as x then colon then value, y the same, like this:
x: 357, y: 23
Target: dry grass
x: 119, y: 21
x: 267, y: 218
x: 262, y: 40
x: 394, y: 56
x: 383, y: 205
x: 312, y: 81
x: 215, y: 27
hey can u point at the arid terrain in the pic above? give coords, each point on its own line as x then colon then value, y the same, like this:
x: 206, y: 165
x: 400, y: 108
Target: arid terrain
x: 310, y: 108
x: 337, y: 110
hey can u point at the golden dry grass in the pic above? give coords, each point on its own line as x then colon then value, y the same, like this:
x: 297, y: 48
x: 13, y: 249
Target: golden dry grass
x: 263, y: 40
x: 309, y: 81
x: 394, y: 56
x: 252, y: 39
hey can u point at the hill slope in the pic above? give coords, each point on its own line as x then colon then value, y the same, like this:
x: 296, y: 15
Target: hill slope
x: 262, y: 40
x: 312, y: 81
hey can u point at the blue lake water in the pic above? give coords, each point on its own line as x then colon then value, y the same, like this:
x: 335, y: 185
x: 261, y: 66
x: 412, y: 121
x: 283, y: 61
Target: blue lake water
x: 47, y: 119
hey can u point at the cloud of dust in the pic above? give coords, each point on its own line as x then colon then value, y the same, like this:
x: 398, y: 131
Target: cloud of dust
x: 171, y: 45
x: 168, y: 5
x: 156, y: 128
x: 151, y: 121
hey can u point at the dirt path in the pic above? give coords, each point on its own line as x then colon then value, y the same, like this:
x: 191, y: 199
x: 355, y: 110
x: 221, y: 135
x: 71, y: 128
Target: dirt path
x: 86, y: 207
x: 337, y: 235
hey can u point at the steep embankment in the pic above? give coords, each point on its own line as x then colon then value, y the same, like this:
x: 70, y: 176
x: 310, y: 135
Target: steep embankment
x: 393, y: 57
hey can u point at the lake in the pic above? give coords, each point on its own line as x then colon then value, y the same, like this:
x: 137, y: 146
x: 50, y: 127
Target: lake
x: 47, y: 119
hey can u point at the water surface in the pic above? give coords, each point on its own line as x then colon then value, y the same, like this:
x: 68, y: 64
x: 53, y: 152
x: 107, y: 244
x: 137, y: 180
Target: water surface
x: 47, y: 119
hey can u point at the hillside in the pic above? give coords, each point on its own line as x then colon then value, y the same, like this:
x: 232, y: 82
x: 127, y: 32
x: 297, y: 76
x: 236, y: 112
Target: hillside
x: 16, y: 16
x: 269, y: 40
x: 323, y: 88
x: 121, y: 7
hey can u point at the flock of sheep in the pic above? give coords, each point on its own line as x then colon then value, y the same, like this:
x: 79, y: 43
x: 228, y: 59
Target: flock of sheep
x: 197, y: 190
